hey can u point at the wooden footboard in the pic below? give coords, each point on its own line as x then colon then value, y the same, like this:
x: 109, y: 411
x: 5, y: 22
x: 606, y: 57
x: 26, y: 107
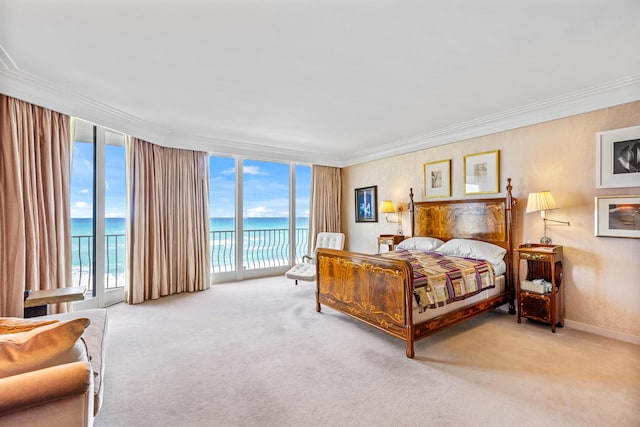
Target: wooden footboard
x: 377, y: 291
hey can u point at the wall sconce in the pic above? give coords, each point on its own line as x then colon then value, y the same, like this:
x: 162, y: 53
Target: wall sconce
x: 386, y: 207
x: 543, y: 201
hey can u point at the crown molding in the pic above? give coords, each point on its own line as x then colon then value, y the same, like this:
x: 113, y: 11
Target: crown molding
x: 37, y: 91
x: 6, y: 60
x: 605, y: 95
x: 238, y: 147
x: 16, y: 83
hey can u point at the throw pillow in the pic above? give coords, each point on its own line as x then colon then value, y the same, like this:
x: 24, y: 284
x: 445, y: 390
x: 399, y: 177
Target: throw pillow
x: 12, y: 325
x: 42, y: 347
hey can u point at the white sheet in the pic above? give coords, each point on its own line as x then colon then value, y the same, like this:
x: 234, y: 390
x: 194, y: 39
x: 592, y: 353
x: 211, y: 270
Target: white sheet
x: 434, y: 312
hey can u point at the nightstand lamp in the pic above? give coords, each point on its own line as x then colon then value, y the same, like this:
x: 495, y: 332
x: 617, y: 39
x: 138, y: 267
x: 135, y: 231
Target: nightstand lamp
x: 543, y: 201
x: 386, y: 207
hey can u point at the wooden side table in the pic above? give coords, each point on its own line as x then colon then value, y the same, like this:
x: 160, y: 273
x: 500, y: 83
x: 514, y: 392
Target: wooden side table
x: 391, y: 240
x: 536, y: 301
x: 36, y: 303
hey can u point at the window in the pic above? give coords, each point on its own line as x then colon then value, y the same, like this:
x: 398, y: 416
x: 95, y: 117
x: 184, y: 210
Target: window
x: 98, y: 206
x: 267, y: 195
x: 222, y: 213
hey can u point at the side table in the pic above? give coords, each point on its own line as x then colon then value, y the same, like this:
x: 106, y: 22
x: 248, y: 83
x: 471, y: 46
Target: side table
x: 36, y: 303
x: 391, y: 240
x: 535, y: 300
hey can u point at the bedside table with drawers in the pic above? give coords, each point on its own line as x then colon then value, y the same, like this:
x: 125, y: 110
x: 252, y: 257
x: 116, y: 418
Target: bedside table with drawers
x: 391, y: 240
x: 541, y: 296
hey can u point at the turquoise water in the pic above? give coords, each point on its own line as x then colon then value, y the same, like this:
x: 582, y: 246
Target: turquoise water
x: 84, y: 226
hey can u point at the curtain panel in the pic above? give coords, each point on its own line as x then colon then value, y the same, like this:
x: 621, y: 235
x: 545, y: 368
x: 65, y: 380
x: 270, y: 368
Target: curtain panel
x: 168, y: 239
x: 326, y: 196
x: 35, y: 224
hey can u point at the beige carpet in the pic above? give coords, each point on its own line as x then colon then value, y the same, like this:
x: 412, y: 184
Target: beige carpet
x: 257, y: 353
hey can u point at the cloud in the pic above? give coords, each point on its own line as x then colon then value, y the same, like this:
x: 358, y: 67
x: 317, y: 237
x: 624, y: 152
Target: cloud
x: 229, y: 171
x: 106, y: 185
x: 84, y: 191
x: 260, y: 212
x: 82, y: 205
x: 253, y: 170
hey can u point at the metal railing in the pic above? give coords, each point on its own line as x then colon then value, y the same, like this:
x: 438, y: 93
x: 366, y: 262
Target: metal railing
x: 261, y: 249
x: 82, y: 261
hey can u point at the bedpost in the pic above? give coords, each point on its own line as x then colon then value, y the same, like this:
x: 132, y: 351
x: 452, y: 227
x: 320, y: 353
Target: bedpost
x: 510, y: 203
x: 411, y: 209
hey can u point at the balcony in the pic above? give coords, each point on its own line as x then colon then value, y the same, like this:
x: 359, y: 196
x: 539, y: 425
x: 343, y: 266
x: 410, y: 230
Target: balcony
x: 261, y: 249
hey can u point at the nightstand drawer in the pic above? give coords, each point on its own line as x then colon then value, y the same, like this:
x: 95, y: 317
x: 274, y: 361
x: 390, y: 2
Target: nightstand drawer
x: 536, y: 256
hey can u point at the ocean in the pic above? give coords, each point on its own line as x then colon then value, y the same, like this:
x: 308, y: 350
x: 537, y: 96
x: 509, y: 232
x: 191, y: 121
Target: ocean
x: 265, y: 241
x: 84, y: 226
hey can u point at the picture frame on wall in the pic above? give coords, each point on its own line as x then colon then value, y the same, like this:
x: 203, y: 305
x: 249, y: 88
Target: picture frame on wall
x: 618, y: 158
x: 482, y: 173
x: 367, y: 204
x: 437, y: 179
x: 617, y: 216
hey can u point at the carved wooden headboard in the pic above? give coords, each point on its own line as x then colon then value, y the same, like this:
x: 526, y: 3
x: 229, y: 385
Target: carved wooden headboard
x: 489, y: 220
x: 480, y: 219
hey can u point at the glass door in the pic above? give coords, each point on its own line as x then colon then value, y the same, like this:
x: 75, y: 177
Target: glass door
x: 98, y: 208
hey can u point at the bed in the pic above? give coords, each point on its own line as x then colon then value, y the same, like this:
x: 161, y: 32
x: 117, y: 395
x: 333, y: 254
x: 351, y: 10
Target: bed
x: 380, y: 290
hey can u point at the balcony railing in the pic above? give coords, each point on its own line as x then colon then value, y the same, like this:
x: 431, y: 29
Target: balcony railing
x: 261, y: 249
x: 82, y: 261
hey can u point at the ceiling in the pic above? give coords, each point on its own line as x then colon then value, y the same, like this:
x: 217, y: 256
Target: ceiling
x: 333, y: 82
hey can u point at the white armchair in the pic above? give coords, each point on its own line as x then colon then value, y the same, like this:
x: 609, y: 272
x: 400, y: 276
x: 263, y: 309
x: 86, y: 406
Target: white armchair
x: 306, y: 270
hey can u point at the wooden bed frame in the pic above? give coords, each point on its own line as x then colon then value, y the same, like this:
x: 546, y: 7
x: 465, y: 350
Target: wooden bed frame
x: 379, y: 291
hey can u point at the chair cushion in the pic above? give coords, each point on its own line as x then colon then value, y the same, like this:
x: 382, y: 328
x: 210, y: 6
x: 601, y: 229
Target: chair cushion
x: 303, y: 271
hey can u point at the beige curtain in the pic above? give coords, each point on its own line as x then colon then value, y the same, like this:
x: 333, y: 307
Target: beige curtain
x: 168, y: 245
x: 326, y: 194
x: 35, y: 230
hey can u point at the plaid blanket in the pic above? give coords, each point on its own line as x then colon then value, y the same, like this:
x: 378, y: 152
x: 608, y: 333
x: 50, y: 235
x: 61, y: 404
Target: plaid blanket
x: 439, y: 280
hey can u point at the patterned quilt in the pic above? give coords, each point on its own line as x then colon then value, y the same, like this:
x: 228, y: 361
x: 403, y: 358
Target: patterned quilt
x: 439, y: 280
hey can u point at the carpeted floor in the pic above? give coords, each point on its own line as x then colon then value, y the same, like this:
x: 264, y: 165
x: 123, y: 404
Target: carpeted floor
x: 257, y: 353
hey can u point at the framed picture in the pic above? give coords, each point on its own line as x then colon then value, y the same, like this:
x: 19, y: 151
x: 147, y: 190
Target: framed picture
x: 366, y: 204
x: 437, y: 179
x: 618, y: 216
x: 482, y: 173
x: 618, y: 158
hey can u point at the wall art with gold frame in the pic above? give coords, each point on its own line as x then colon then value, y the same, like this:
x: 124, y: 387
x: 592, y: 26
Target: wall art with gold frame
x: 437, y: 179
x: 482, y: 173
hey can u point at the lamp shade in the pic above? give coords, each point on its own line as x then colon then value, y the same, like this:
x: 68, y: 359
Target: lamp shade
x: 386, y: 206
x: 541, y: 201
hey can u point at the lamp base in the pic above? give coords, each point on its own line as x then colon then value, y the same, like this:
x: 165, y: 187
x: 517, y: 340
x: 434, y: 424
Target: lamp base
x: 545, y: 240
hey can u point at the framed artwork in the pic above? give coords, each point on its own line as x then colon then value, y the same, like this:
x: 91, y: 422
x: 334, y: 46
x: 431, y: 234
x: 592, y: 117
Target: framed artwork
x: 437, y: 179
x: 618, y: 216
x: 618, y: 158
x: 482, y: 173
x: 366, y: 204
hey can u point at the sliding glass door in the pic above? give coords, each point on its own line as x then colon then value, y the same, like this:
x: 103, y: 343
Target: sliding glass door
x: 98, y: 208
x: 266, y: 196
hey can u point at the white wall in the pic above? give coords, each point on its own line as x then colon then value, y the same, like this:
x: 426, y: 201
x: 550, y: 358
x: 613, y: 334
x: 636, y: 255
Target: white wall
x: 601, y: 274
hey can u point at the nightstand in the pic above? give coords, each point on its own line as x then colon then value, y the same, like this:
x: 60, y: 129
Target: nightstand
x: 541, y: 297
x: 391, y: 240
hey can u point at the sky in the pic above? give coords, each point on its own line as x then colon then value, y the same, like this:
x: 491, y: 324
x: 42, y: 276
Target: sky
x: 266, y: 185
x: 82, y: 181
x: 265, y: 188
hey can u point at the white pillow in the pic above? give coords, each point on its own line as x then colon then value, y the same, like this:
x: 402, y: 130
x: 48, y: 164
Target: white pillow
x: 475, y: 249
x: 420, y: 244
